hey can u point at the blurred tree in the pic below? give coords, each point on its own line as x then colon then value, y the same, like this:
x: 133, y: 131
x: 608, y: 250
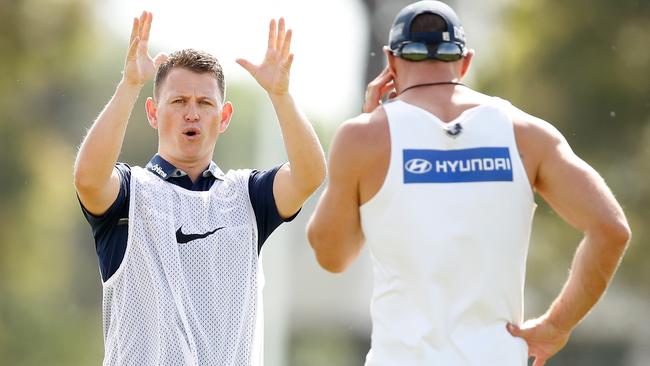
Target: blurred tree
x: 43, y: 298
x: 32, y: 54
x: 583, y: 66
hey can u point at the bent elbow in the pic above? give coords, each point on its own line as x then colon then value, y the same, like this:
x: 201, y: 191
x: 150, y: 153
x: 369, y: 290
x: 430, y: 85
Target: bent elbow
x: 330, y: 264
x: 86, y: 180
x: 622, y: 234
x: 616, y: 232
x: 325, y: 254
x: 81, y: 179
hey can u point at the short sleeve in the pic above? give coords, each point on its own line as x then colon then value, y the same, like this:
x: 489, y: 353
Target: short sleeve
x: 110, y: 228
x: 260, y: 189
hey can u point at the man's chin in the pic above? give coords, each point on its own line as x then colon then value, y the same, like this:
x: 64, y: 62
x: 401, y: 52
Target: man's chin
x: 189, y: 153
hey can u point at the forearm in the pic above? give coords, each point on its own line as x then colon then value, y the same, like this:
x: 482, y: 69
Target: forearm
x: 334, y: 230
x: 303, y: 148
x: 334, y: 244
x: 592, y: 269
x: 101, y: 147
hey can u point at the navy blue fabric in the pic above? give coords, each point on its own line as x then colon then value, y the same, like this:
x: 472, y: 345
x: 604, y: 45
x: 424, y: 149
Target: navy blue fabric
x: 260, y: 189
x: 110, y: 230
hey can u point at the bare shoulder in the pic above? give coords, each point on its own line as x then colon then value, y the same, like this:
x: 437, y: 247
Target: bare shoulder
x: 537, y: 140
x: 529, y: 127
x: 362, y: 136
x: 364, y: 127
x: 360, y: 153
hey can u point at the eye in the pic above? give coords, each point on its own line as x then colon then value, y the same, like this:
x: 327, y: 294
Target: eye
x: 206, y: 102
x: 177, y: 101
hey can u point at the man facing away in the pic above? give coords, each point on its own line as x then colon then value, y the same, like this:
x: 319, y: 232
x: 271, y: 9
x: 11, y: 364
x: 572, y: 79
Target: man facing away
x: 178, y: 240
x: 439, y: 181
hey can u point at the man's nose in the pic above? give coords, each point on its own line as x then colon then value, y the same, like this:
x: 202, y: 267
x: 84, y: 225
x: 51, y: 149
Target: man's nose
x: 192, y: 114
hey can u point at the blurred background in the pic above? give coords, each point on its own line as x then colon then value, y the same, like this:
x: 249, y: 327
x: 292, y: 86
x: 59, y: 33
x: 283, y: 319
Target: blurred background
x: 583, y: 65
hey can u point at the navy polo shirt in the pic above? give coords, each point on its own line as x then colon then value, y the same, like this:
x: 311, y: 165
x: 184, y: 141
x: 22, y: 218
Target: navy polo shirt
x: 110, y: 230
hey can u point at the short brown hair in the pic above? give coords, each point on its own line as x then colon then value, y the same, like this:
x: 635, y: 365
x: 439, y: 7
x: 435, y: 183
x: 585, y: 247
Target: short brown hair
x: 193, y: 60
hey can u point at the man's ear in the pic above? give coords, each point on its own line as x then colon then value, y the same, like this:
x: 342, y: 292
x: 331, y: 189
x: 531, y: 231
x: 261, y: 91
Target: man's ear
x: 226, y: 115
x: 390, y: 58
x: 467, y: 61
x: 151, y: 109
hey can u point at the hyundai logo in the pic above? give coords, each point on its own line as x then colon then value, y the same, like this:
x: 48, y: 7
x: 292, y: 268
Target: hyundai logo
x: 418, y: 166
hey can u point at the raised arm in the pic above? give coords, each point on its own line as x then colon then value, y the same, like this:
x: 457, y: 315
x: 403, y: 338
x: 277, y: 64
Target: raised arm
x: 96, y: 181
x: 581, y: 197
x: 304, y: 173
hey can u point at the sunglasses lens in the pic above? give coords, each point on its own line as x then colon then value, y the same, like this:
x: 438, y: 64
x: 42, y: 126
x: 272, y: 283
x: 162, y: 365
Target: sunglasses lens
x: 414, y: 52
x: 447, y: 52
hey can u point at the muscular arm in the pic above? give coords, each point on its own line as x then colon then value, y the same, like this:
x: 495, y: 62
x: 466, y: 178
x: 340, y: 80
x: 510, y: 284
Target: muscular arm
x: 304, y: 173
x: 296, y: 181
x: 95, y: 179
x: 360, y: 151
x: 334, y: 230
x: 581, y: 197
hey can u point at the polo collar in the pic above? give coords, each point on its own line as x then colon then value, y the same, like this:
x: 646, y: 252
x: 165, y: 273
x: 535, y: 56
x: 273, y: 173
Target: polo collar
x: 165, y: 170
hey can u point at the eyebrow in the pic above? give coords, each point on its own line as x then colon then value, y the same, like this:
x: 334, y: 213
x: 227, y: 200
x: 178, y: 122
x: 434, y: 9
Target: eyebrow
x: 200, y: 97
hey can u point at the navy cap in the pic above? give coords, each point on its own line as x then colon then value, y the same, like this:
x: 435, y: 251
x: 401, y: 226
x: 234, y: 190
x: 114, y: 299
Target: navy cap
x: 400, y: 31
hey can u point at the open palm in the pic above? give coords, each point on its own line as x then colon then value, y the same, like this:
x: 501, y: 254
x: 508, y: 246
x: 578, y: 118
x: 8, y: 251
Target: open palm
x: 139, y: 66
x: 273, y: 73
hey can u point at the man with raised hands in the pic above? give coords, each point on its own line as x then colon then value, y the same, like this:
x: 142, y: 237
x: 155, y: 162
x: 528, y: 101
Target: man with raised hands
x: 178, y: 240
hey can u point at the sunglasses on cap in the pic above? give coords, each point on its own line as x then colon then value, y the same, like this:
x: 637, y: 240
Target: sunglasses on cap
x: 418, y: 51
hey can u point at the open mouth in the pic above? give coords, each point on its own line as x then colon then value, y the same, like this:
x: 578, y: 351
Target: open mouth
x: 191, y: 132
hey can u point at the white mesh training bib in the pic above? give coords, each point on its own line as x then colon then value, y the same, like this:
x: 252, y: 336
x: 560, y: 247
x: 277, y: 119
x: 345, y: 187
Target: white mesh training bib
x: 186, y: 292
x: 448, y: 234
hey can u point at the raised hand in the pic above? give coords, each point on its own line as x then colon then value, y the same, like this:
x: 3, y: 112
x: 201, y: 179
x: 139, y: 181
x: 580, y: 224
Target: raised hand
x: 273, y: 73
x: 382, y: 85
x: 139, y: 66
x: 544, y: 339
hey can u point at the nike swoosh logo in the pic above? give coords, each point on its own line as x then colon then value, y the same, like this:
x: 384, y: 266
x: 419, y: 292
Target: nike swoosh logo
x: 186, y: 238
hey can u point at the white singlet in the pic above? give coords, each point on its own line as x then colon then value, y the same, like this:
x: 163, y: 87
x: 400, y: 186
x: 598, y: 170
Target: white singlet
x: 186, y: 292
x: 448, y: 234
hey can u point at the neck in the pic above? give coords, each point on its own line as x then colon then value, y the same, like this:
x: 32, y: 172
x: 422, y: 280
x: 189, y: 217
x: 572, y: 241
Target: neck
x: 434, y: 83
x: 412, y: 73
x: 193, y: 168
